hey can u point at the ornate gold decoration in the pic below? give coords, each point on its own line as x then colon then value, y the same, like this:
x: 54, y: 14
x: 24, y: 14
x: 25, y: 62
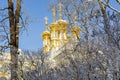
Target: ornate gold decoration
x: 46, y: 23
x: 60, y: 10
x: 75, y: 18
x: 54, y: 13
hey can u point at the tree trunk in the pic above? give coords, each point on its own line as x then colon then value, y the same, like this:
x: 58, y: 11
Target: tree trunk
x: 14, y: 36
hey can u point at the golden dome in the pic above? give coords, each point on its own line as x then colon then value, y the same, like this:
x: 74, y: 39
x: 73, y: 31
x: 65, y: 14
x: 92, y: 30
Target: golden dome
x: 63, y: 24
x: 53, y: 26
x: 45, y: 34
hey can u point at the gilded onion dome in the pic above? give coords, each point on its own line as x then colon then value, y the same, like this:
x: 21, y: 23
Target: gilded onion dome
x: 53, y: 26
x: 46, y: 38
x: 46, y: 34
x: 63, y: 24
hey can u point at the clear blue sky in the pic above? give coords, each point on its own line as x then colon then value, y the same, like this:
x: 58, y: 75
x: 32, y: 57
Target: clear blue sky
x: 37, y: 10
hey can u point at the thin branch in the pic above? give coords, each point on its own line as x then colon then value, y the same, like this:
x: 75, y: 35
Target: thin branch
x: 7, y: 34
x: 2, y: 9
x: 3, y: 48
x: 107, y: 2
x: 4, y: 19
x: 22, y: 21
x: 109, y: 6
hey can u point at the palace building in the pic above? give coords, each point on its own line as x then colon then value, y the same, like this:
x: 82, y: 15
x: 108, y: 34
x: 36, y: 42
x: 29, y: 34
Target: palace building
x: 58, y: 34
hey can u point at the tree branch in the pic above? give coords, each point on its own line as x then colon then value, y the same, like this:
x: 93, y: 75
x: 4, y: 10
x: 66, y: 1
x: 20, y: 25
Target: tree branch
x: 22, y: 21
x: 4, y: 19
x: 109, y: 6
x: 2, y: 9
x: 118, y: 1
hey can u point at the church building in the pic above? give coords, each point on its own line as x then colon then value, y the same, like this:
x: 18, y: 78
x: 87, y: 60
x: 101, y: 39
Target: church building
x: 58, y: 34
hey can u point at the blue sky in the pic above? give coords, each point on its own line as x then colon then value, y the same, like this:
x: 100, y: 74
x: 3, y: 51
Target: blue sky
x: 37, y: 10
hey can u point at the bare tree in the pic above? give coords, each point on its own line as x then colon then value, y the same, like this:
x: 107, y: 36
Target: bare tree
x: 10, y: 33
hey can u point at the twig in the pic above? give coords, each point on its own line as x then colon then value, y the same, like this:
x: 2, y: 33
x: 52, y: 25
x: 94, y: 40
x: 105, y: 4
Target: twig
x: 109, y: 6
x: 4, y: 19
x: 2, y: 9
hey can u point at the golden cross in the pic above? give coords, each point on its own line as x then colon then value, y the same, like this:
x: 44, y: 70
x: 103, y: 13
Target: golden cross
x: 60, y: 10
x: 54, y: 13
x: 46, y: 22
x: 75, y: 18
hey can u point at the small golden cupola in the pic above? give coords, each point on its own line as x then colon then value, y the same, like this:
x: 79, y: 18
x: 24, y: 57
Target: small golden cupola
x: 75, y: 30
x: 46, y: 38
x: 63, y: 26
